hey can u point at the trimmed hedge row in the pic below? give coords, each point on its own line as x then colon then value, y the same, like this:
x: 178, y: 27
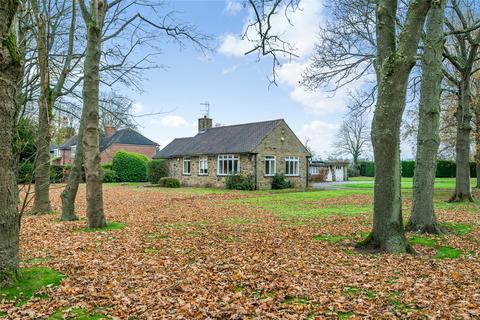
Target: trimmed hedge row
x: 130, y: 166
x: 445, y: 169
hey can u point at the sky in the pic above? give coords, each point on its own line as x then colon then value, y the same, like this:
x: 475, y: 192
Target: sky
x: 237, y: 86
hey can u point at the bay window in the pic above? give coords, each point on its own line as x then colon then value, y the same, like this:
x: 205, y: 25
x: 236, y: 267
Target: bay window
x: 228, y: 165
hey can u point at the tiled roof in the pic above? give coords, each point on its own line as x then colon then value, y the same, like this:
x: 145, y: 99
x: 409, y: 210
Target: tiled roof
x: 241, y: 138
x: 122, y: 136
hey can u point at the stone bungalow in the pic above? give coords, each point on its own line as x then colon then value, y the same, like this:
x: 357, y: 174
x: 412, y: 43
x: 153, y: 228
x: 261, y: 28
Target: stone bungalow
x: 260, y: 149
x: 110, y: 142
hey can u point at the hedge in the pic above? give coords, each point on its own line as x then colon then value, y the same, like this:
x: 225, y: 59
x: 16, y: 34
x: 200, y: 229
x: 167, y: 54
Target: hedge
x: 240, y: 182
x: 445, y: 169
x: 169, y: 182
x: 367, y: 168
x: 408, y: 168
x: 280, y: 182
x: 156, y: 170
x: 109, y: 175
x: 130, y: 166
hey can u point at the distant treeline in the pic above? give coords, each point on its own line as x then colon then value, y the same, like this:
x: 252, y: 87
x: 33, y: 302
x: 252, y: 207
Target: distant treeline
x: 445, y: 169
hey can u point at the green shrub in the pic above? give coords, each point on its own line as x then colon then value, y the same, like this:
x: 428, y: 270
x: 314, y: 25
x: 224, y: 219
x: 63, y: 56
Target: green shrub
x: 56, y: 174
x: 107, y: 166
x: 367, y: 168
x: 168, y: 182
x: 25, y: 172
x: 240, y: 182
x: 446, y: 169
x: 353, y: 171
x: 109, y: 176
x: 408, y: 168
x: 130, y: 166
x: 156, y: 170
x: 473, y: 169
x: 280, y: 182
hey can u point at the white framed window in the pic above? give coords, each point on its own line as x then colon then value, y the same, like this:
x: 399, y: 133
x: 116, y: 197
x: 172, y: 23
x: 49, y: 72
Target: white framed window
x: 270, y: 166
x: 228, y: 165
x: 292, y: 166
x: 203, y: 166
x: 187, y: 166
x: 73, y: 151
x: 314, y: 170
x: 339, y: 167
x: 56, y: 153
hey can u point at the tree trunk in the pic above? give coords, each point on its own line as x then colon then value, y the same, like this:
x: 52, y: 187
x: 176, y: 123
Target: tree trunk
x: 476, y: 107
x: 10, y: 67
x: 69, y: 194
x: 93, y: 169
x: 396, y: 56
x: 462, y: 181
x: 423, y: 218
x: 41, y: 204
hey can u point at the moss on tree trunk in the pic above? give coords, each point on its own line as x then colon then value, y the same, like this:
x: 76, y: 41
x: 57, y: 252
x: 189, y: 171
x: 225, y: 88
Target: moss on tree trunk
x: 422, y: 218
x: 10, y: 69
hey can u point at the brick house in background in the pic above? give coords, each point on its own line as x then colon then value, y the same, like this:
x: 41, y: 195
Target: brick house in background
x: 260, y: 149
x: 110, y: 142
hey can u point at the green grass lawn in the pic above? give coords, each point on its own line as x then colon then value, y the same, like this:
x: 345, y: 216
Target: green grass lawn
x: 407, y: 183
x: 290, y: 204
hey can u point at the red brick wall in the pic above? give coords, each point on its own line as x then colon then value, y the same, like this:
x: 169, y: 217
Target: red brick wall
x: 66, y: 156
x: 107, y: 154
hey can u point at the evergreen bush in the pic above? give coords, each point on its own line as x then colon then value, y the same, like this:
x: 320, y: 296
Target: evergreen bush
x: 169, y: 182
x: 130, y: 166
x: 156, y: 170
x: 240, y: 182
x: 280, y: 182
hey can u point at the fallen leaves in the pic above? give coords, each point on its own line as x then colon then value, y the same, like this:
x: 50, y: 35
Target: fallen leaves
x: 194, y: 255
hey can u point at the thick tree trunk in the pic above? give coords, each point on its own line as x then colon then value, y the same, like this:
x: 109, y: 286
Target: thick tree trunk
x: 388, y: 232
x: 93, y: 170
x: 396, y: 56
x: 462, y: 181
x: 41, y: 204
x: 423, y: 218
x: 10, y: 67
x: 69, y: 194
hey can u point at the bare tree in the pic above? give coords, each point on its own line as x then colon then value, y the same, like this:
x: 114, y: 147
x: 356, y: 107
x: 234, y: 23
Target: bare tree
x: 423, y: 217
x: 461, y: 54
x: 353, y: 137
x: 10, y: 71
x: 106, y: 21
x: 396, y: 56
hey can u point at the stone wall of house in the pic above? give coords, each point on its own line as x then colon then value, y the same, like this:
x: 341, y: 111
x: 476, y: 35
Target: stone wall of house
x: 107, y: 154
x: 281, y: 143
x: 212, y: 180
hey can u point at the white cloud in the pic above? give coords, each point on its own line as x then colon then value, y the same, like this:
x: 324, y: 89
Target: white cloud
x: 172, y: 121
x: 234, y: 46
x: 233, y: 6
x: 230, y: 69
x: 137, y: 107
x: 320, y: 136
x: 300, y: 30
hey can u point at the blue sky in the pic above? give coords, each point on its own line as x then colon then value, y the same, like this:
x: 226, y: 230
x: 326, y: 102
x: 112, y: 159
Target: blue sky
x: 236, y: 85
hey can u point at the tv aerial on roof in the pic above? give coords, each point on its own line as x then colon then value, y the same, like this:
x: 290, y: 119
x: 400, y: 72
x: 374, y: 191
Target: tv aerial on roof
x: 205, y: 111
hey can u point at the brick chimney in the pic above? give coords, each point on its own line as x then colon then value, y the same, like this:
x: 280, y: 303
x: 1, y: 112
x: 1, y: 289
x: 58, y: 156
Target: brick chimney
x: 109, y: 130
x: 204, y: 124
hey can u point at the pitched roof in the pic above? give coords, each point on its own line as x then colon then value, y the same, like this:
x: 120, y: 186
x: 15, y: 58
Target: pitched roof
x: 122, y: 136
x: 240, y: 138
